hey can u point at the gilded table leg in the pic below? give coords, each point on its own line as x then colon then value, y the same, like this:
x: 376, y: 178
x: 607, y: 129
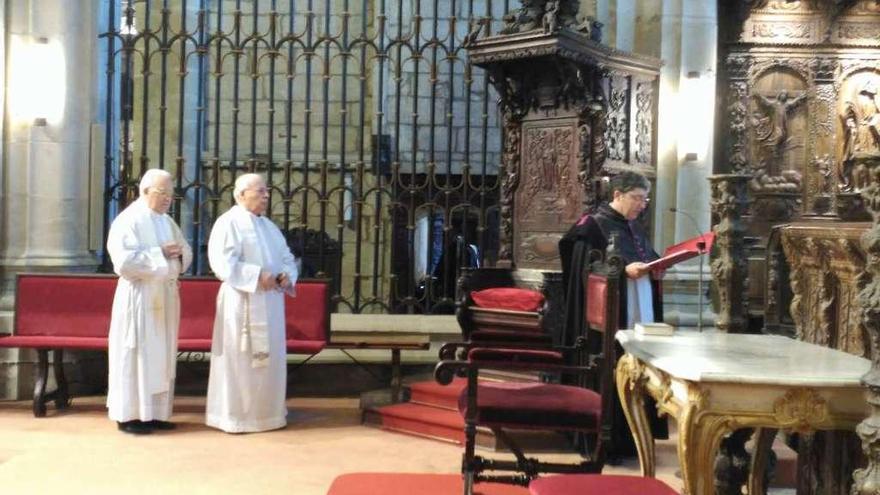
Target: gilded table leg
x: 763, y: 451
x: 699, y: 436
x: 631, y: 389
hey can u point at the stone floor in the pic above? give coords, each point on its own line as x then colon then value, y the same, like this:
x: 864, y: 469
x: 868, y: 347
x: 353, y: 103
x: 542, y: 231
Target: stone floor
x: 80, y: 451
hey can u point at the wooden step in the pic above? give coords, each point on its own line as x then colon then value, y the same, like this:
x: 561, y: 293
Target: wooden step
x: 431, y: 393
x: 418, y: 419
x: 448, y: 426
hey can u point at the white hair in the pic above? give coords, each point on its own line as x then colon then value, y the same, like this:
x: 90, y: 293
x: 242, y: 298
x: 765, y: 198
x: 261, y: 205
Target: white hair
x: 243, y: 182
x: 151, y: 177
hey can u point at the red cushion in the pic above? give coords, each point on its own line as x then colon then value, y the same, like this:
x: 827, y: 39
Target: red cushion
x: 510, y: 298
x: 293, y: 346
x: 55, y: 305
x: 597, y: 298
x: 54, y: 342
x: 501, y: 355
x: 598, y: 484
x: 198, y: 303
x: 535, y: 406
x: 305, y: 346
x: 308, y: 314
x: 194, y: 345
x: 413, y: 484
x: 73, y: 312
x: 493, y: 335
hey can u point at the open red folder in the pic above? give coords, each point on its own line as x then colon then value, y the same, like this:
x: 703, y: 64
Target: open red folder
x: 682, y: 251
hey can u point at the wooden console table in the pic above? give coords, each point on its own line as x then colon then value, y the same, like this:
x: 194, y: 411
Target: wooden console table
x: 394, y: 341
x: 713, y: 383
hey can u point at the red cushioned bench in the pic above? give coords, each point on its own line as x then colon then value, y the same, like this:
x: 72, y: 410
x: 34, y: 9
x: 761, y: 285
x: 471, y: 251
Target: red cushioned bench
x: 72, y: 311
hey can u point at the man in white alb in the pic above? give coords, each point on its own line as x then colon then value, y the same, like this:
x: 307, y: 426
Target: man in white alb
x: 148, y: 253
x: 248, y: 381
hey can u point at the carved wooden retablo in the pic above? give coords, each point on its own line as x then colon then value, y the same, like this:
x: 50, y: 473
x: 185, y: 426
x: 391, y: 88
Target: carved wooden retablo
x: 798, y: 91
x: 799, y: 83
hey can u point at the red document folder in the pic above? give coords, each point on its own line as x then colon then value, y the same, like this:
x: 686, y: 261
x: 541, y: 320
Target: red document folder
x: 682, y: 251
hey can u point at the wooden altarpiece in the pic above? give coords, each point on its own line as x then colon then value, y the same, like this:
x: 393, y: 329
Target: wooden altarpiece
x: 799, y: 92
x: 574, y: 112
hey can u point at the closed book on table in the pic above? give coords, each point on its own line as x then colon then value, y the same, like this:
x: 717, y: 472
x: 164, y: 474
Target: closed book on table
x: 653, y: 329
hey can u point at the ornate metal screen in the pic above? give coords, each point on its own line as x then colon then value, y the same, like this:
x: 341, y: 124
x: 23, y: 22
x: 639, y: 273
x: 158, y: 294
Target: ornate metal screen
x: 380, y: 142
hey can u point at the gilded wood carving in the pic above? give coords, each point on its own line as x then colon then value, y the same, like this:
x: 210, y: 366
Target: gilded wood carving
x: 867, y: 480
x: 729, y: 270
x: 824, y: 264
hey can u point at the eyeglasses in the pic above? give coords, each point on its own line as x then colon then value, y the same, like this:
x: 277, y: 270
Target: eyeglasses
x: 160, y: 192
x: 261, y: 191
x: 639, y: 197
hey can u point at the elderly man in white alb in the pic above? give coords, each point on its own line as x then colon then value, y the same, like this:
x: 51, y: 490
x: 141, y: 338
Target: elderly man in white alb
x: 248, y: 381
x: 148, y: 253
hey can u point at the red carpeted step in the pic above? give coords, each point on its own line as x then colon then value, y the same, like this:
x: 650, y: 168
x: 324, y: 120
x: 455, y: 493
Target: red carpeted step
x: 418, y: 419
x: 414, y: 483
x: 433, y: 394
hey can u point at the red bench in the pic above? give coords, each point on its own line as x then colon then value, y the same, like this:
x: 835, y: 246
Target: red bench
x: 72, y: 311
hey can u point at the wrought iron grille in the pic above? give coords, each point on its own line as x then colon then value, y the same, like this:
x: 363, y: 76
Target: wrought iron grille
x: 380, y: 142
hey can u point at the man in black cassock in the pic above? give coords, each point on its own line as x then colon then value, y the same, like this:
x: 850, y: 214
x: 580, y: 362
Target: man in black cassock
x: 640, y: 296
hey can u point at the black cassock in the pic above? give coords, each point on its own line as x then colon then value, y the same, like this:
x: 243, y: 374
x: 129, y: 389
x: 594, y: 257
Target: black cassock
x: 592, y: 232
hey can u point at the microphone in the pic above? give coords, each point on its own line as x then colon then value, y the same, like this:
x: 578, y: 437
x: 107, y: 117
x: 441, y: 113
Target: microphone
x: 701, y: 245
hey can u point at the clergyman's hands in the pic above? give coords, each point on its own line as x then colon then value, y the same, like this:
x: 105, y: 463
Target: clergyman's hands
x: 636, y: 270
x: 172, y: 250
x: 283, y: 281
x: 267, y: 281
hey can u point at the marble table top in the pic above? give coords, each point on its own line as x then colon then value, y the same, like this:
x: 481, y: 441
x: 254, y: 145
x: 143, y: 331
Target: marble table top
x: 714, y: 356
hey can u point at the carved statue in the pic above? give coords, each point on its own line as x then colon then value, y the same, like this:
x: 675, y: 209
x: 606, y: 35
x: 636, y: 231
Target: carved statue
x: 475, y: 28
x: 776, y: 133
x: 549, y: 15
x: 861, y: 132
x: 551, y: 10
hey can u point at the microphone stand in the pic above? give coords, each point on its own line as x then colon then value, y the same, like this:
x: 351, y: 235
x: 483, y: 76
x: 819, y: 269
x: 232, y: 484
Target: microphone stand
x: 701, y: 247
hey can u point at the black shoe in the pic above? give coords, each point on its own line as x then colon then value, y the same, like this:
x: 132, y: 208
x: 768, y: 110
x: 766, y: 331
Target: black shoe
x: 134, y: 427
x: 156, y: 424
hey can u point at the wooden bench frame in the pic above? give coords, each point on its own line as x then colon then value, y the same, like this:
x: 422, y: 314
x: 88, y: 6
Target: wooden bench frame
x: 61, y: 396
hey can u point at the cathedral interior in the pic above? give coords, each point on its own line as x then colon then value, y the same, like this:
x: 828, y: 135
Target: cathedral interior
x: 419, y: 151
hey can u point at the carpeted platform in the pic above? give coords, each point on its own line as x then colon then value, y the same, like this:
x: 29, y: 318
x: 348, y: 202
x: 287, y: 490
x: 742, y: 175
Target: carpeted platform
x: 414, y: 483
x: 432, y: 412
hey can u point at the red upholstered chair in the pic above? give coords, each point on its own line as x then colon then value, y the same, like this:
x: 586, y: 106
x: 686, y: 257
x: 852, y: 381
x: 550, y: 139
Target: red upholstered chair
x: 500, y: 406
x: 598, y: 484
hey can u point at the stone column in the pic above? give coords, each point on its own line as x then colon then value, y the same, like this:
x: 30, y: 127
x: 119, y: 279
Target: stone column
x: 44, y: 198
x: 685, y: 107
x: 626, y: 25
x: 729, y: 266
x: 866, y: 481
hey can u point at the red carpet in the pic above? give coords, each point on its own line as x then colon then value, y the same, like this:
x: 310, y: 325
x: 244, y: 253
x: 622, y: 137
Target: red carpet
x: 414, y: 484
x: 431, y: 393
x: 424, y: 421
x: 432, y: 412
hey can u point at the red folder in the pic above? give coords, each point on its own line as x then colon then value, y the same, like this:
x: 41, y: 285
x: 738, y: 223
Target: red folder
x: 682, y: 251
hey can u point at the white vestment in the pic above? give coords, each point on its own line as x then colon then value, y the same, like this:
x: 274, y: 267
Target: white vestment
x: 248, y: 381
x: 142, y: 345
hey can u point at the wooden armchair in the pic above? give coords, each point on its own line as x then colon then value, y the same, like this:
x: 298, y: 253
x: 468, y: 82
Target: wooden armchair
x: 539, y: 405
